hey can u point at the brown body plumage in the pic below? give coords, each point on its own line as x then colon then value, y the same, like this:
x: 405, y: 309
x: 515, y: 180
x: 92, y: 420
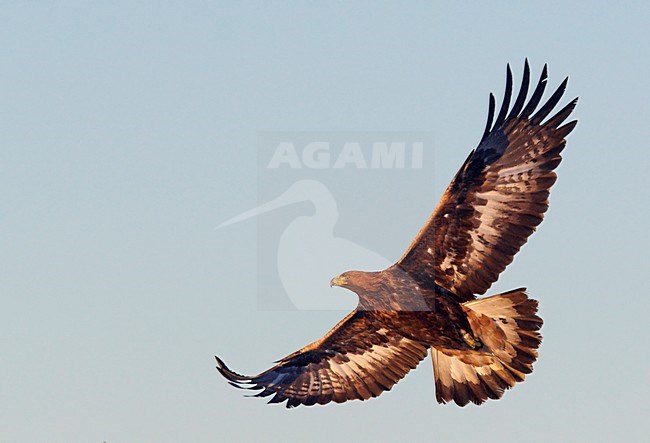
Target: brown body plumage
x: 418, y: 312
x: 479, y: 347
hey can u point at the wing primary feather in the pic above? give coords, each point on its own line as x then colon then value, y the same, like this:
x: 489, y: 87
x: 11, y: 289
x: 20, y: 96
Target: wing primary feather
x: 550, y: 103
x: 564, y: 130
x: 488, y: 125
x: 230, y: 375
x: 523, y: 92
x: 235, y: 385
x: 506, y: 99
x: 537, y: 94
x: 562, y: 114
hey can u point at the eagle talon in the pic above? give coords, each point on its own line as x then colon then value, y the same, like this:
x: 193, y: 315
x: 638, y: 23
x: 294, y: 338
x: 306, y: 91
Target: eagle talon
x: 470, y: 340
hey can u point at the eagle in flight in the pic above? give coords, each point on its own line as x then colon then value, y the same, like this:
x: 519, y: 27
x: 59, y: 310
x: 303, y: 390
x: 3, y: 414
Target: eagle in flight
x: 427, y: 300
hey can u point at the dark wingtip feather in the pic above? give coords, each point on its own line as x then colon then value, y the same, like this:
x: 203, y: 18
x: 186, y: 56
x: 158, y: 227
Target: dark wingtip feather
x: 235, y: 385
x: 562, y: 114
x: 523, y: 92
x: 537, y: 94
x: 550, y: 103
x: 563, y: 131
x: 491, y: 108
x: 231, y: 376
x: 506, y: 98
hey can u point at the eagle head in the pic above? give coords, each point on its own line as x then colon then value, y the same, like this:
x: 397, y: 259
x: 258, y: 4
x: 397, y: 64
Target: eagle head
x: 355, y: 280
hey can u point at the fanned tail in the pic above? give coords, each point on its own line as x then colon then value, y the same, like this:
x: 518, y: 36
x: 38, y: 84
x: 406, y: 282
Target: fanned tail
x: 508, y: 327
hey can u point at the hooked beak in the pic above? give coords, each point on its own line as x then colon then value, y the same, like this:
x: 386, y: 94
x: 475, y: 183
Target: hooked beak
x: 338, y: 281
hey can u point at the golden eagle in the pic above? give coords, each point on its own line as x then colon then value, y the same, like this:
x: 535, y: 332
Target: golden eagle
x: 427, y: 300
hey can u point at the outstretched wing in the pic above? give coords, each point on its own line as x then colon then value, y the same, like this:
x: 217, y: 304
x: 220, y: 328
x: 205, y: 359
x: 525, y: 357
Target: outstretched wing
x: 497, y: 198
x: 357, y: 359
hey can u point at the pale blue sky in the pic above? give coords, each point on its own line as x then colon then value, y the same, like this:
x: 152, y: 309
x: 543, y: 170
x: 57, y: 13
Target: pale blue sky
x: 128, y: 132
